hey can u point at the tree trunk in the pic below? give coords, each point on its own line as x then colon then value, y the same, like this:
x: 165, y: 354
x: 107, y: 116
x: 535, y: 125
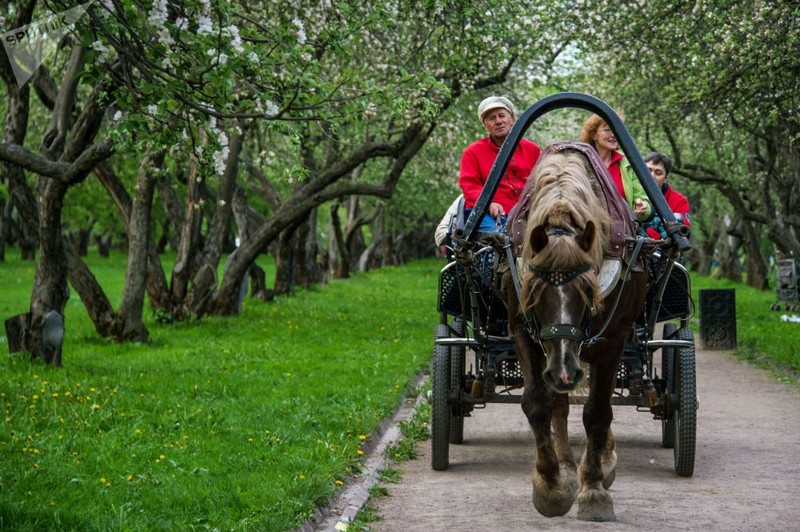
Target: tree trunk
x: 50, y: 291
x: 204, y: 283
x: 286, y: 262
x: 339, y: 265
x: 130, y: 311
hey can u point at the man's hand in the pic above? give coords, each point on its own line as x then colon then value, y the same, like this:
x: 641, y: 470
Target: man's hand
x: 495, y: 210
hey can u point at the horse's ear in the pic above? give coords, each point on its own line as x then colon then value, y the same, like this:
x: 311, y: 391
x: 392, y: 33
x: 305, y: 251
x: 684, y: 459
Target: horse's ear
x: 586, y: 238
x: 538, y: 238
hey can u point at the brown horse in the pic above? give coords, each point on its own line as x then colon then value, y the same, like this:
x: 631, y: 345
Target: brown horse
x: 561, y: 320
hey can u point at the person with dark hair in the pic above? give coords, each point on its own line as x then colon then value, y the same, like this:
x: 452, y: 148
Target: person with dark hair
x: 597, y: 133
x: 497, y: 114
x: 660, y: 167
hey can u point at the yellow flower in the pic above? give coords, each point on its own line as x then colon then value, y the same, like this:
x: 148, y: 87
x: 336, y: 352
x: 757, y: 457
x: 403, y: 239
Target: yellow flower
x: 55, y: 394
x: 95, y: 406
x: 359, y: 452
x: 339, y: 482
x: 129, y: 477
x: 362, y: 437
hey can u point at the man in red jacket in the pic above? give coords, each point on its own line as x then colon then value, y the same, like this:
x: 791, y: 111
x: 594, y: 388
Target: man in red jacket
x: 497, y: 114
x: 660, y: 166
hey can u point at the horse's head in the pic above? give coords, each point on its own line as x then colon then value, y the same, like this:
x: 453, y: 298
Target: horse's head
x: 567, y: 230
x: 561, y: 299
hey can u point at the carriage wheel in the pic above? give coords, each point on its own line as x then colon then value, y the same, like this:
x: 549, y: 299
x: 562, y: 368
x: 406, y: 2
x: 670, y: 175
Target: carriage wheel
x: 457, y: 354
x: 668, y: 374
x: 686, y: 413
x: 440, y: 410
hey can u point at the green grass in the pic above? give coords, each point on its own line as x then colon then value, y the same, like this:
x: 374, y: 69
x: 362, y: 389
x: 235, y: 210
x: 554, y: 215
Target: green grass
x: 241, y: 423
x: 761, y: 334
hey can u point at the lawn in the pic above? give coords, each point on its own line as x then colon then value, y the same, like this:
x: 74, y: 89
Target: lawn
x: 242, y: 423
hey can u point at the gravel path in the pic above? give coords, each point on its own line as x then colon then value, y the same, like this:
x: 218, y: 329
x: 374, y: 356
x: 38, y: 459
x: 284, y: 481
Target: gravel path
x: 747, y: 471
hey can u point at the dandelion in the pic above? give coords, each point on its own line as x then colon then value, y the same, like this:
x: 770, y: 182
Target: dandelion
x: 55, y: 394
x: 362, y: 437
x: 95, y: 407
x: 339, y: 482
x: 359, y: 452
x: 129, y: 478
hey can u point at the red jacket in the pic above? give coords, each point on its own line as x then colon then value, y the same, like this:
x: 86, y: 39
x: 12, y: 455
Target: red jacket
x: 477, y: 161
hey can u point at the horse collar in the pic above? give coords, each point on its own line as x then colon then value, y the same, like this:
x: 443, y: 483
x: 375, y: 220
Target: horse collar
x: 559, y: 277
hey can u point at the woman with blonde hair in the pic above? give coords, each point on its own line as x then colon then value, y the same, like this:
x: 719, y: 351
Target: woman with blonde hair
x: 597, y: 133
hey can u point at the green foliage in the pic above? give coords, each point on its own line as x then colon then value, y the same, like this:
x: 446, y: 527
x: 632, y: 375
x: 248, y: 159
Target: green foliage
x: 247, y: 422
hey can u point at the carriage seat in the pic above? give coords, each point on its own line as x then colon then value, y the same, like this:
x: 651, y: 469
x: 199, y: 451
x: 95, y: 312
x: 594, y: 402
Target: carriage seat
x: 622, y: 224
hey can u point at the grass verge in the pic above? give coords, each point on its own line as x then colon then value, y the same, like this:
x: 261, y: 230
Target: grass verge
x: 241, y: 423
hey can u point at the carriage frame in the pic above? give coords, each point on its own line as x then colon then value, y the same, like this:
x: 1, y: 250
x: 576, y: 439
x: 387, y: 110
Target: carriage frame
x: 474, y: 361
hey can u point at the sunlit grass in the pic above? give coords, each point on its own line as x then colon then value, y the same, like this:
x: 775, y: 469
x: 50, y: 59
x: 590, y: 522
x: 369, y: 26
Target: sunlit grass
x: 246, y: 422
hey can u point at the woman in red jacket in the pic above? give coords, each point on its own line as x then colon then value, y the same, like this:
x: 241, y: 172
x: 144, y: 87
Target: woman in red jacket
x: 497, y: 114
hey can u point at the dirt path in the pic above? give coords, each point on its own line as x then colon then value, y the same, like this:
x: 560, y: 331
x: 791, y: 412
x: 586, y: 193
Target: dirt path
x: 747, y: 471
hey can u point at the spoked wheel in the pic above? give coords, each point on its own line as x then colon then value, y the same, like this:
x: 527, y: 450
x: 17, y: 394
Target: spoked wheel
x: 668, y: 374
x: 440, y: 410
x: 457, y: 354
x: 686, y: 413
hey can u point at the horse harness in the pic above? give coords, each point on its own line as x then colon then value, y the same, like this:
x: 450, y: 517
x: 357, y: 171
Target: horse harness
x: 567, y: 331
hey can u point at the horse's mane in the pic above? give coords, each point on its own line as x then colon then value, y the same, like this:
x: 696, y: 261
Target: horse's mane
x: 565, y: 194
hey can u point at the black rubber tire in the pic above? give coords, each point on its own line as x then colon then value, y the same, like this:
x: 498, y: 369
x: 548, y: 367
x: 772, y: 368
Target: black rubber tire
x: 668, y: 373
x: 686, y: 413
x: 440, y: 409
x: 457, y: 355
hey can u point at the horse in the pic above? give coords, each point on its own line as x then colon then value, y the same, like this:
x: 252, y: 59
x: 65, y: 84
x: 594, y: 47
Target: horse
x: 562, y: 321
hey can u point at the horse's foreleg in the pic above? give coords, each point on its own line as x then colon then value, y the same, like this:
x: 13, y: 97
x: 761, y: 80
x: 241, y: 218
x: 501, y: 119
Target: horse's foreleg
x: 598, y: 465
x: 554, y: 479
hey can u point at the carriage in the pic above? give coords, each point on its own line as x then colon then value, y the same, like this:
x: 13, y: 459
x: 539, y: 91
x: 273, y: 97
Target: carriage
x: 475, y: 360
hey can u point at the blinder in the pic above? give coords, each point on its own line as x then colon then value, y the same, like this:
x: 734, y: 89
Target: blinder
x: 560, y: 331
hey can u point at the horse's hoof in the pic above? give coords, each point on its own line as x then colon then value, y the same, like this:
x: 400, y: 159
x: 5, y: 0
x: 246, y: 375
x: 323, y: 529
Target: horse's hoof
x: 595, y: 505
x: 554, y: 498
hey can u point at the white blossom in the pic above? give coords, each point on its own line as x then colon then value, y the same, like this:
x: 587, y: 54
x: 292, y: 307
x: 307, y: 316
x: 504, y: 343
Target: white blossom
x: 301, y: 32
x: 100, y: 47
x: 181, y: 23
x: 236, y: 39
x: 204, y: 25
x: 271, y: 108
x: 158, y: 14
x: 117, y: 116
x: 152, y: 109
